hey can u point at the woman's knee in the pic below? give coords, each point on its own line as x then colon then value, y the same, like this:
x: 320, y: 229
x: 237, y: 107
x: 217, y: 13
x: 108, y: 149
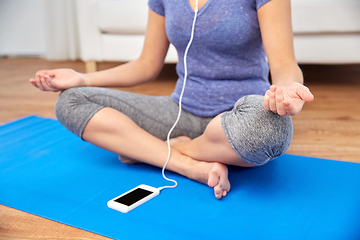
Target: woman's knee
x: 66, y: 103
x: 256, y: 135
x: 74, y: 109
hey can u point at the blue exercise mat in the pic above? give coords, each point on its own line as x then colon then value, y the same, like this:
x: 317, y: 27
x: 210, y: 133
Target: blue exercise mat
x: 47, y: 171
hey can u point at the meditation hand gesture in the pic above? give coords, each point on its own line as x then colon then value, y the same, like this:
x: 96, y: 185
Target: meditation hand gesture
x: 288, y: 99
x: 57, y: 80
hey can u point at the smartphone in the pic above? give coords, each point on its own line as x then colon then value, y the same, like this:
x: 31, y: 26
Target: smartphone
x: 133, y: 198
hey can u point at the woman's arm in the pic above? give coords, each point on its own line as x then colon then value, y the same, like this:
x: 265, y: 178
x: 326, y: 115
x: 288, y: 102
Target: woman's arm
x: 146, y: 68
x: 287, y: 95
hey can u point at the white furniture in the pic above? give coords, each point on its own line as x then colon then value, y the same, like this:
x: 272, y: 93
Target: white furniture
x: 325, y: 31
x: 113, y: 30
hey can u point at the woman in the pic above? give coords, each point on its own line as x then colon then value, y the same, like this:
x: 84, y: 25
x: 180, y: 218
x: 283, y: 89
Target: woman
x: 225, y: 119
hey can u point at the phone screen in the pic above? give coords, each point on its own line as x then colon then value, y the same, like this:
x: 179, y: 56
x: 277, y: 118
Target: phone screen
x: 133, y: 196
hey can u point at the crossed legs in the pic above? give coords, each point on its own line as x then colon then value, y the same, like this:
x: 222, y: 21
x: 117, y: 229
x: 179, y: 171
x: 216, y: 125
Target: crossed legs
x: 102, y: 117
x: 116, y: 132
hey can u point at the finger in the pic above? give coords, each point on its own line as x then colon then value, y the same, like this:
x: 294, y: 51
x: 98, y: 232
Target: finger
x: 51, y: 84
x: 39, y: 77
x: 272, y: 99
x: 44, y: 85
x: 273, y: 88
x: 39, y: 82
x: 33, y: 82
x: 47, y: 82
x: 305, y: 94
x: 266, y: 100
x: 39, y: 74
x: 51, y: 73
x: 280, y: 103
x: 45, y: 72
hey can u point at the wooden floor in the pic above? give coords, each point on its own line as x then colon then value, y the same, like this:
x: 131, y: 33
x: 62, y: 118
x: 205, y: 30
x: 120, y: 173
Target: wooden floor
x: 328, y: 128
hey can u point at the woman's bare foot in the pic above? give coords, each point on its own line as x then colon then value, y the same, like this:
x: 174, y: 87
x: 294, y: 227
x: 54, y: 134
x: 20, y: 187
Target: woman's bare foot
x: 218, y: 179
x: 213, y: 174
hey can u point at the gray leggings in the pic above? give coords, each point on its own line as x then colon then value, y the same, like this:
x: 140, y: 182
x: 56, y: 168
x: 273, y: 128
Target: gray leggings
x: 256, y: 135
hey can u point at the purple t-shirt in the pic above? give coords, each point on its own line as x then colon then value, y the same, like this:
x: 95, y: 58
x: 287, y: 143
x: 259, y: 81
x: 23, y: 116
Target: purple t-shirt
x: 226, y: 60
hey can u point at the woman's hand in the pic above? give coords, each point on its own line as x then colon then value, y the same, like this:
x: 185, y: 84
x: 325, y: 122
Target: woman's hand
x: 288, y: 99
x: 57, y: 80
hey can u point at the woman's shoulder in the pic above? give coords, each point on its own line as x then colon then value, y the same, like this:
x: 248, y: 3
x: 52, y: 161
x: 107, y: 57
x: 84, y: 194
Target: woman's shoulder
x: 259, y: 3
x: 157, y: 6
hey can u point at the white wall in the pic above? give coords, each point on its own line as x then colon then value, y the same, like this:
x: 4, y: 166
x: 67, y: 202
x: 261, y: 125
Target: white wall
x: 22, y: 28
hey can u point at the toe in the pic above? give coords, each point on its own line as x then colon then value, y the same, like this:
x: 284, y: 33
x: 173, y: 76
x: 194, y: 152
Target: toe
x: 224, y: 181
x: 213, y: 179
x: 218, y: 192
x: 224, y: 193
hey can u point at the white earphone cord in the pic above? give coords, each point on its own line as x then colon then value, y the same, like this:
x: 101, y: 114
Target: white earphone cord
x: 180, y: 99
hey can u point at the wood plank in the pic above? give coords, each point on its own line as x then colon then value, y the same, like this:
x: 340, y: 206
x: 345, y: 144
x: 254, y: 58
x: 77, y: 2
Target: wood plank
x: 15, y: 224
